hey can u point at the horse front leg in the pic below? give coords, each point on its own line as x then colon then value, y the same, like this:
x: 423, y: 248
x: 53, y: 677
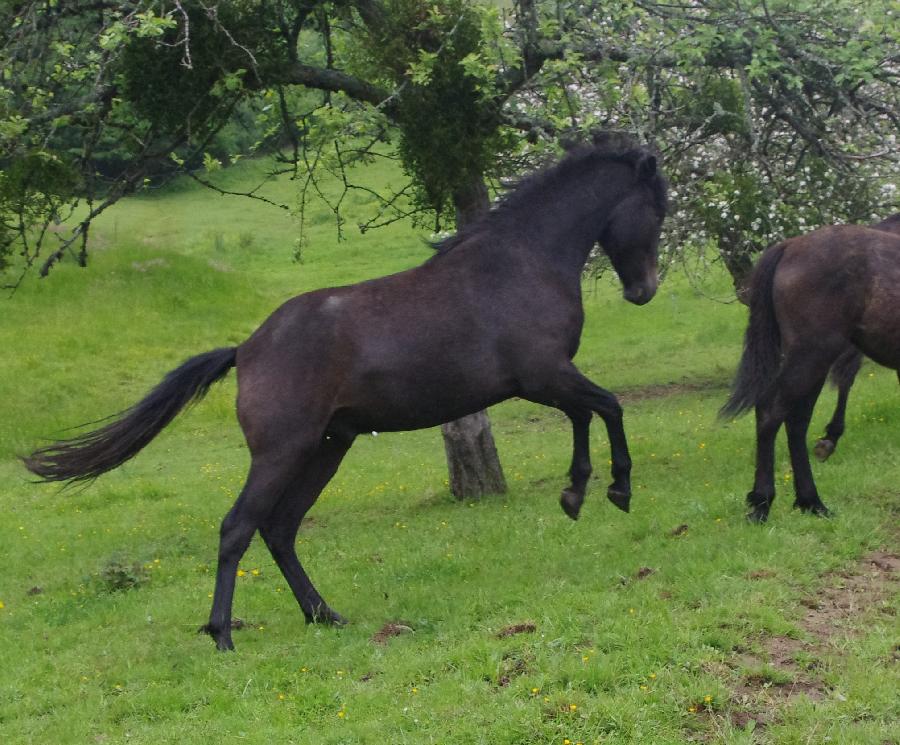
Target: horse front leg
x: 843, y: 374
x: 572, y: 497
x: 577, y: 396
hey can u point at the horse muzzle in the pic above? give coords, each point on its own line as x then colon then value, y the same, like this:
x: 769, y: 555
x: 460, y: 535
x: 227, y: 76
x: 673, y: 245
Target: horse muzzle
x: 640, y: 293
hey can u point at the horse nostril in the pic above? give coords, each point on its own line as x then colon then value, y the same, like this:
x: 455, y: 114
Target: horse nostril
x: 638, y: 294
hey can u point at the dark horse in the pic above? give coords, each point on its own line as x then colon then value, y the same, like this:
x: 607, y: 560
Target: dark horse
x: 496, y: 313
x: 843, y: 374
x: 813, y: 299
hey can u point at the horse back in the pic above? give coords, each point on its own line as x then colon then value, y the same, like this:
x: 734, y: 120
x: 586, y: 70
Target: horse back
x: 409, y: 350
x: 841, y: 284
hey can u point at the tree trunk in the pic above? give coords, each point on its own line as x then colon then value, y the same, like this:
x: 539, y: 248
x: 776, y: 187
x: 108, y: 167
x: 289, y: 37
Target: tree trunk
x: 472, y: 459
x: 737, y: 256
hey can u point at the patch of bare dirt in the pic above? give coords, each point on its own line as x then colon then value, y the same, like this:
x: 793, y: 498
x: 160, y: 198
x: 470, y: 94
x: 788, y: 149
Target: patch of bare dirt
x: 782, y: 668
x: 517, y: 628
x: 672, y: 388
x: 389, y: 630
x: 850, y: 594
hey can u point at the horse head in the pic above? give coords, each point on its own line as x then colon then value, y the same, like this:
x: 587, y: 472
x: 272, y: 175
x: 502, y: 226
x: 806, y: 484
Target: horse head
x: 630, y: 236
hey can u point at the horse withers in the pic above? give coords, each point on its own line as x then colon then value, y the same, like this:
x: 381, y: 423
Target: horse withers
x: 495, y: 313
x: 815, y: 300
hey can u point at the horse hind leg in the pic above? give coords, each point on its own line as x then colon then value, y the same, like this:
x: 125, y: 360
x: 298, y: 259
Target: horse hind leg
x: 797, y: 425
x: 769, y: 417
x: 266, y: 482
x: 843, y: 375
x: 279, y: 530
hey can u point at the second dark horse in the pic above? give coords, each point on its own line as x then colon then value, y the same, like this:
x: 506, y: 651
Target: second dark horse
x: 496, y: 313
x: 815, y: 300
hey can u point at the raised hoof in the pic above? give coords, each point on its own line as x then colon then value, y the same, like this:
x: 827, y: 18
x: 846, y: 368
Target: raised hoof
x: 222, y: 640
x: 571, y: 503
x: 621, y: 499
x: 823, y: 449
x: 327, y: 617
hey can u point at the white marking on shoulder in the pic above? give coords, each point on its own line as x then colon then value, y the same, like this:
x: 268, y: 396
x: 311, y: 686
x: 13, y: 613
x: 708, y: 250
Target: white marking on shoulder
x: 333, y: 302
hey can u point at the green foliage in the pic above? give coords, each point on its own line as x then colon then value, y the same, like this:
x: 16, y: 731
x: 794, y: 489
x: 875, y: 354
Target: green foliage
x: 178, y: 81
x: 33, y: 185
x: 438, y: 58
x: 120, y: 576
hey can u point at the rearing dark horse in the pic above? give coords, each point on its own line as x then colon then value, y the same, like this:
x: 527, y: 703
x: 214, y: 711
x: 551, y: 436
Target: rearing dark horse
x: 496, y: 313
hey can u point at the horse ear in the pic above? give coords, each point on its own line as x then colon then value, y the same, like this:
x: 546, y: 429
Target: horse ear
x: 646, y: 167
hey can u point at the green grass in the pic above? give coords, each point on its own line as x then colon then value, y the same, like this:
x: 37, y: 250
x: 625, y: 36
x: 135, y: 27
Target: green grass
x: 103, y: 587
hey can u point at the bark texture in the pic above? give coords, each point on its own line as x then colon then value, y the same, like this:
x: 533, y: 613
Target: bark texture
x: 472, y: 459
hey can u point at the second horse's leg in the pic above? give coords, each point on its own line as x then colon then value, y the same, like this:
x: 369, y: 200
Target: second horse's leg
x: 843, y: 373
x: 797, y: 425
x: 769, y: 417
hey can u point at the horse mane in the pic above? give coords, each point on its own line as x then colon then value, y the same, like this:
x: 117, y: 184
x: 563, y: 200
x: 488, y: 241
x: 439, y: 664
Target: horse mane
x: 527, y: 193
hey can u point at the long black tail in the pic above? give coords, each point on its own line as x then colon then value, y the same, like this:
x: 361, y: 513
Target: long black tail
x: 762, y: 342
x: 89, y: 455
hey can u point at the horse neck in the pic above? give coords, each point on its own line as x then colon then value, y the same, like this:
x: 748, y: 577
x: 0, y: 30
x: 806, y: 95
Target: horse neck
x: 564, y: 232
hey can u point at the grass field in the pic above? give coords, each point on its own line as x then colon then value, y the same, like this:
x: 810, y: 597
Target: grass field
x: 676, y: 623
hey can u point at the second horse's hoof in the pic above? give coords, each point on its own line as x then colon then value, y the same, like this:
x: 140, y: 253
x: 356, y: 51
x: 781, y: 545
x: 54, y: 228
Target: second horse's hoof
x: 327, y: 617
x: 823, y: 449
x: 758, y: 515
x: 621, y: 499
x: 818, y: 509
x: 571, y: 502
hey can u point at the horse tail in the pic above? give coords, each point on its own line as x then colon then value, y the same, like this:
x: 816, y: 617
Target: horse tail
x: 87, y: 456
x: 762, y: 341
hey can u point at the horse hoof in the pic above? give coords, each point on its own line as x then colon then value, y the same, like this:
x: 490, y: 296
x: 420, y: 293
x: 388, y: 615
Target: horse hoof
x: 222, y: 640
x: 757, y: 515
x: 327, y: 617
x: 621, y: 499
x: 818, y: 509
x: 823, y: 449
x: 571, y: 502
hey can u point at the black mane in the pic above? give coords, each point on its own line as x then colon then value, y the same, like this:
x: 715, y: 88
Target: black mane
x: 529, y: 192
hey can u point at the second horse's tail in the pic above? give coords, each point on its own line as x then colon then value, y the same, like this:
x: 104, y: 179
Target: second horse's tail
x: 87, y: 456
x: 762, y: 342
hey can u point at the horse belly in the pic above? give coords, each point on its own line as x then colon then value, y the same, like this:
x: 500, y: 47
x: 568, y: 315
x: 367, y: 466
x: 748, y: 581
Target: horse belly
x: 878, y: 335
x: 393, y: 402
